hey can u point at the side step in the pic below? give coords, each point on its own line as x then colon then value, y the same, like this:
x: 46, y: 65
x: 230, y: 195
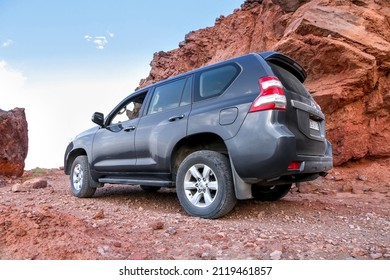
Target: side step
x: 147, y: 182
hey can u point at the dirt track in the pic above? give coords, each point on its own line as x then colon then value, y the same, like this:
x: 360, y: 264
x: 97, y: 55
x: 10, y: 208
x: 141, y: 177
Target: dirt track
x: 345, y: 216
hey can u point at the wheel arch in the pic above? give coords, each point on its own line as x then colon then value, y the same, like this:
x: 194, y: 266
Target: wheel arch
x: 71, y: 157
x: 196, y: 142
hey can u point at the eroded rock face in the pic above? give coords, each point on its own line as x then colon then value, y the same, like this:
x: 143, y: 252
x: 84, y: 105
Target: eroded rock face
x: 344, y: 46
x: 13, y: 142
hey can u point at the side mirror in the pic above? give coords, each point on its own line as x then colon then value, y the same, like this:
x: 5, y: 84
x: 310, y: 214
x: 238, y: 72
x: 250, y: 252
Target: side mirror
x: 98, y: 118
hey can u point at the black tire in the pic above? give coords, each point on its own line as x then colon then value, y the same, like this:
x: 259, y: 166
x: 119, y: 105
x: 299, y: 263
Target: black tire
x: 270, y: 193
x: 81, y: 183
x: 204, y: 185
x: 150, y: 189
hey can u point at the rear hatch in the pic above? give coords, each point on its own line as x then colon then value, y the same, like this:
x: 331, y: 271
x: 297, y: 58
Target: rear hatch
x: 303, y: 115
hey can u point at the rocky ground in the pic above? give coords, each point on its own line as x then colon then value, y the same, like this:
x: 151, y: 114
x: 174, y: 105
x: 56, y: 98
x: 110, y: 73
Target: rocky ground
x: 344, y: 216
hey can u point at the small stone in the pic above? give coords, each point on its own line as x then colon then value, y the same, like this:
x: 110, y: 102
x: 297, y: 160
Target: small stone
x: 36, y: 183
x: 347, y: 188
x: 171, y: 230
x: 46, y: 206
x: 337, y: 178
x: 220, y: 235
x: 207, y: 246
x: 205, y: 255
x: 276, y: 255
x: 376, y: 255
x: 261, y: 215
x: 157, y: 225
x: 117, y: 244
x: 101, y: 251
x: 367, y: 188
x: 249, y: 245
x: 307, y: 187
x: 20, y: 232
x: 361, y: 177
x: 357, y: 252
x: 99, y: 215
x: 18, y: 188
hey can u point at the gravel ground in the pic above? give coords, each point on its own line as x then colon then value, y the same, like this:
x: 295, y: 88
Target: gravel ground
x: 343, y: 216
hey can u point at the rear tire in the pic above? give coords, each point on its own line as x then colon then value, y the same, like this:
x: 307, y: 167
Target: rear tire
x: 81, y: 183
x: 204, y: 185
x: 270, y: 193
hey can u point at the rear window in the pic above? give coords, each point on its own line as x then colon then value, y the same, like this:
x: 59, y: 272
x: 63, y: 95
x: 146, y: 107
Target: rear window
x: 289, y: 81
x: 215, y: 81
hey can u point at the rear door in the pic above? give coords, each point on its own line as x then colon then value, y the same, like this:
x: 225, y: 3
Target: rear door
x: 163, y: 125
x: 303, y: 115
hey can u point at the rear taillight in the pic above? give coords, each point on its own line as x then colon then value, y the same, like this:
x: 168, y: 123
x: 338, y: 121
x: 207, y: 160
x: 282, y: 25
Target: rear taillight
x: 271, y: 95
x: 294, y: 165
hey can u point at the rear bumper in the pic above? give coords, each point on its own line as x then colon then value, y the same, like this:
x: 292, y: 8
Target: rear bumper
x: 263, y: 149
x: 316, y: 164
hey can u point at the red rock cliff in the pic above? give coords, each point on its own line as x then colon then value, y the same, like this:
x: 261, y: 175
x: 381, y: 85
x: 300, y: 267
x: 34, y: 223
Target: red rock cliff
x: 344, y: 46
x: 13, y: 142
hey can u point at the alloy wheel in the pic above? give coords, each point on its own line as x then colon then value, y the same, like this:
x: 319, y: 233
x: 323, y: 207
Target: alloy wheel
x: 200, y: 185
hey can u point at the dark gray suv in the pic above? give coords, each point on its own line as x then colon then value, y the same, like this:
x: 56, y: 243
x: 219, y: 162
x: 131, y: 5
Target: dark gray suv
x: 241, y: 129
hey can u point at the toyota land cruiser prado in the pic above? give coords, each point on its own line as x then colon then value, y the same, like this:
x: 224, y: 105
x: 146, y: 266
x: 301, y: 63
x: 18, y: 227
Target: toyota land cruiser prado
x: 245, y: 128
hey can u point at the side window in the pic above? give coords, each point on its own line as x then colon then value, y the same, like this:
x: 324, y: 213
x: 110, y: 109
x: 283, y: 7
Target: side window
x: 215, y: 81
x: 130, y: 110
x: 167, y: 96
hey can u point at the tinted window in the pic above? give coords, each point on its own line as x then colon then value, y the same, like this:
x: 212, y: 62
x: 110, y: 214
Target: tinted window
x: 167, y: 96
x: 289, y: 81
x: 215, y: 81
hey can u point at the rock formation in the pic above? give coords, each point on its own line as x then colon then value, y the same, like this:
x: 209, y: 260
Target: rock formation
x: 343, y: 44
x: 13, y: 142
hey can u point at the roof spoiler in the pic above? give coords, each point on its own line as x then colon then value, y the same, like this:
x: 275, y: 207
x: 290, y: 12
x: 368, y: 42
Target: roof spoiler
x: 285, y: 62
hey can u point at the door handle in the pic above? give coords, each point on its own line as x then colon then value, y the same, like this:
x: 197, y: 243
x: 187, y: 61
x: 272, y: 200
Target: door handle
x: 129, y: 128
x: 175, y: 118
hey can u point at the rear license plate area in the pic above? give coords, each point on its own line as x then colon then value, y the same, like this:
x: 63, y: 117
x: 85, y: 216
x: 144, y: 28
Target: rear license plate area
x: 314, y: 125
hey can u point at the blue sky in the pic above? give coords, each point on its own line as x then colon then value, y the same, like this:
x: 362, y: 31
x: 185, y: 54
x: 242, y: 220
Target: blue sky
x: 63, y: 60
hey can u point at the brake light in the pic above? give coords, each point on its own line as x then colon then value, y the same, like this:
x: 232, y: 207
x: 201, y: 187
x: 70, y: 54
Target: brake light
x: 271, y: 95
x: 294, y: 165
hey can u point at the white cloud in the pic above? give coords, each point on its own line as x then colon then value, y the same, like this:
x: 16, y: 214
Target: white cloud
x: 99, y: 41
x: 7, y: 43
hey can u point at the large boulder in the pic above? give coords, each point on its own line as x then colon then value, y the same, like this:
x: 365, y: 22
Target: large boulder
x: 13, y: 142
x: 343, y: 44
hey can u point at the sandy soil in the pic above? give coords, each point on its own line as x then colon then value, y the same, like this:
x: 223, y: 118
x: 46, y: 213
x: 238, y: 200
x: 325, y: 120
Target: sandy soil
x: 343, y: 216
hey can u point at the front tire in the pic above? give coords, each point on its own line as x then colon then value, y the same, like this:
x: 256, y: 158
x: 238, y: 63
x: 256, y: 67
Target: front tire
x: 270, y: 193
x: 81, y: 183
x: 204, y: 185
